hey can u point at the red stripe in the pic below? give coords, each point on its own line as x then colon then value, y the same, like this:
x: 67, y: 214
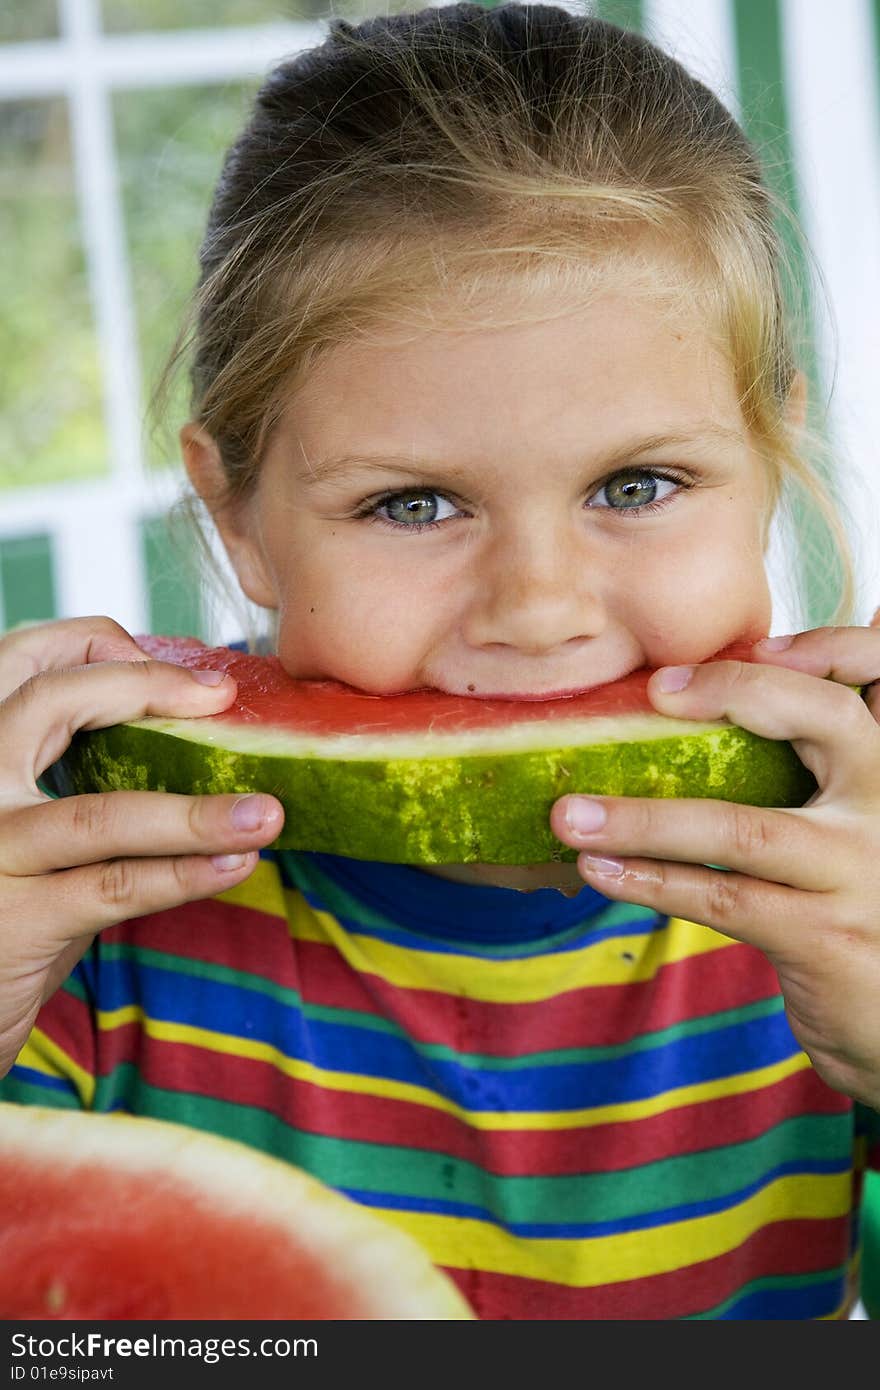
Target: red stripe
x: 352, y: 1116
x: 697, y: 987
x: 255, y: 942
x: 70, y: 1024
x: 218, y: 933
x: 783, y: 1248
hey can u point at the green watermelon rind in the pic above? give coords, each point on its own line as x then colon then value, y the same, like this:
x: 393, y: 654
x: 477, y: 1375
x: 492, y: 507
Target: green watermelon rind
x: 486, y: 808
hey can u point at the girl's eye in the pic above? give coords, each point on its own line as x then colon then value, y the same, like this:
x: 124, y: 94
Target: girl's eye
x: 415, y: 510
x: 421, y: 509
x: 636, y: 490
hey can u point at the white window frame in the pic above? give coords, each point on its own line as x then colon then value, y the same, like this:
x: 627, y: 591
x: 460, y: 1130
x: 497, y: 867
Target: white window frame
x: 99, y: 518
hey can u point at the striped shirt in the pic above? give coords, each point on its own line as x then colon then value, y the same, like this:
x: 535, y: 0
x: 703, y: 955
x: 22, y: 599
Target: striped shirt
x: 582, y: 1109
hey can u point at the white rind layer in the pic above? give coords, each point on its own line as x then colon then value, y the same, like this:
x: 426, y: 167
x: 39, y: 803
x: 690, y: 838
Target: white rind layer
x: 381, y: 743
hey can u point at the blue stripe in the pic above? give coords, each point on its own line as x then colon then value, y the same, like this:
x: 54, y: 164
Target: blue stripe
x: 29, y: 1076
x: 575, y: 938
x: 236, y: 1011
x: 584, y: 1230
x: 407, y: 900
x: 810, y: 1301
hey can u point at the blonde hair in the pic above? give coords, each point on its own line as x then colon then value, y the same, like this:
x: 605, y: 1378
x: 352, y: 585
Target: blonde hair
x: 411, y: 165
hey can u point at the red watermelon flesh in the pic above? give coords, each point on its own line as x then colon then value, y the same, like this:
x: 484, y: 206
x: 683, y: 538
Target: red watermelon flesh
x: 426, y: 777
x: 267, y: 695
x: 110, y: 1217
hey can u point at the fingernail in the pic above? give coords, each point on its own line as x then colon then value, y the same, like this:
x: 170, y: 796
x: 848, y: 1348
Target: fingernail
x: 227, y: 863
x: 248, y: 813
x: 673, y: 678
x: 603, y: 868
x: 776, y: 644
x: 582, y: 815
x: 208, y: 677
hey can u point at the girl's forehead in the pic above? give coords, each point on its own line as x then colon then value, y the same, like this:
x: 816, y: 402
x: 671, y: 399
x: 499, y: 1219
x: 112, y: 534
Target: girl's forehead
x: 598, y: 377
x: 636, y: 317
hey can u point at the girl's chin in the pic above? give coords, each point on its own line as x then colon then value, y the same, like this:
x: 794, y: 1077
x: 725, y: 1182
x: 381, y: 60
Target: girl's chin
x: 525, y: 878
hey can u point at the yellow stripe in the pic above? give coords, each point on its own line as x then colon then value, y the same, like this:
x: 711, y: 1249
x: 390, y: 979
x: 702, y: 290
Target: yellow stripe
x: 231, y: 1046
x: 605, y: 962
x: 41, y: 1054
x: 262, y: 891
x: 459, y: 1242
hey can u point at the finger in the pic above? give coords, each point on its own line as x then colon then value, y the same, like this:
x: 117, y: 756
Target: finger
x: 40, y: 717
x: 846, y: 654
x: 829, y: 725
x: 77, y: 830
x: 778, y: 846
x: 766, y: 915
x: 849, y: 655
x: 26, y: 651
x: 81, y: 901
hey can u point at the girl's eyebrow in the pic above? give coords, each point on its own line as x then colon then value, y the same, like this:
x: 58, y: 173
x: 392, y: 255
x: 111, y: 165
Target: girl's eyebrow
x: 338, y: 465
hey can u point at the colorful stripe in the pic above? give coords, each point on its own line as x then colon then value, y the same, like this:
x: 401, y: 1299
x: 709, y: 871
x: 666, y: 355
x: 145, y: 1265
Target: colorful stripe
x: 611, y: 1119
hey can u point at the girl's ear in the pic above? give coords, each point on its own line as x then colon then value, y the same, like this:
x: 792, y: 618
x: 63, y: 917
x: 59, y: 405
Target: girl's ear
x: 235, y: 525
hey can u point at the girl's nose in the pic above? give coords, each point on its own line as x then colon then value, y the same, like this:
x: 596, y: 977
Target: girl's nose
x: 535, y: 593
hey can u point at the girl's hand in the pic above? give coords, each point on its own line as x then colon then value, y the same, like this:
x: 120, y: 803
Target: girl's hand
x: 72, y: 866
x: 805, y: 883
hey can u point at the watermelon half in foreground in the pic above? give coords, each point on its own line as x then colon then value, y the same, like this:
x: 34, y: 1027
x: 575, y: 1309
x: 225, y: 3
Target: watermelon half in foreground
x: 108, y: 1216
x: 426, y: 777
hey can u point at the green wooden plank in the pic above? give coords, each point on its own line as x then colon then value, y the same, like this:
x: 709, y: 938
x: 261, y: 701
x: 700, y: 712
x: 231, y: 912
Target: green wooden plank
x: 173, y: 585
x: 758, y: 31
x: 629, y: 14
x: 27, y: 580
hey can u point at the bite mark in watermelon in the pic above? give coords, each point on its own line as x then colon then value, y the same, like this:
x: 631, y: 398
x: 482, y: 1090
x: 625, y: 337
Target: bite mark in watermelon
x: 426, y: 777
x: 115, y: 1217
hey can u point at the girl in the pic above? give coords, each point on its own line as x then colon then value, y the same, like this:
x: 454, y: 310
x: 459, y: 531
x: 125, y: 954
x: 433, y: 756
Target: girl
x: 493, y: 392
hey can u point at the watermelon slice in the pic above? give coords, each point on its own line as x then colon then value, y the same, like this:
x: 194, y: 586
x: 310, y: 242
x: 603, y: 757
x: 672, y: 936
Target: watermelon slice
x: 425, y: 777
x: 108, y: 1216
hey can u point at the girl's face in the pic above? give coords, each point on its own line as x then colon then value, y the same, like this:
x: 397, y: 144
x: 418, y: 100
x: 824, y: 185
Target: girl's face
x: 496, y: 513
x: 525, y: 511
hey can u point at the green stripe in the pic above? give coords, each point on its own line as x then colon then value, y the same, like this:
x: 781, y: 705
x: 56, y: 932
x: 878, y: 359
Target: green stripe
x: 765, y: 119
x: 476, y: 1061
x: 27, y: 580
x: 14, y: 1088
x: 242, y: 980
x: 75, y: 987
x: 779, y: 1281
x: 378, y: 1167
x: 173, y: 583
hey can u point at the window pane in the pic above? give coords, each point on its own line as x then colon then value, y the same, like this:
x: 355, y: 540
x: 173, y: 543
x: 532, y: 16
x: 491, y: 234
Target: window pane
x: 172, y: 581
x: 27, y: 580
x: 51, y: 424
x: 28, y: 19
x: 170, y: 145
x: 123, y: 16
